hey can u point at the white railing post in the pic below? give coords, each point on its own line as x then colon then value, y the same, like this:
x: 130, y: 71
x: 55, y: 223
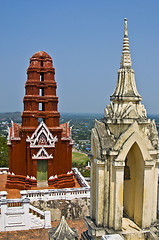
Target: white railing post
x: 23, y: 194
x: 46, y: 195
x: 47, y: 216
x: 3, y: 194
x: 3, y: 201
x: 25, y: 205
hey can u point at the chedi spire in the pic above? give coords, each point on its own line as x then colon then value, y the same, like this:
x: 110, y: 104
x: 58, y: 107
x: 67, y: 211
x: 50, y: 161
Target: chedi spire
x: 126, y: 57
x: 126, y: 87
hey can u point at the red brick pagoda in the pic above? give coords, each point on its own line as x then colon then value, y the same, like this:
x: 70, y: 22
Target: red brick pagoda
x: 40, y: 150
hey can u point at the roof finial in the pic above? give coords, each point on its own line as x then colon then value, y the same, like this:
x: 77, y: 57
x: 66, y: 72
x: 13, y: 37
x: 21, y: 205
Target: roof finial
x: 126, y: 28
x: 126, y: 58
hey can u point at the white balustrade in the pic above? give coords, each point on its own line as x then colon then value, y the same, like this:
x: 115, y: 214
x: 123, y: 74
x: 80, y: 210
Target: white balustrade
x: 81, y: 180
x: 38, y: 211
x: 56, y: 194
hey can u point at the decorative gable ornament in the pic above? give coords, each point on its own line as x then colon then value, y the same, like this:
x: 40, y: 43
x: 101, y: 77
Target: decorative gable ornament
x: 42, y: 154
x: 42, y: 137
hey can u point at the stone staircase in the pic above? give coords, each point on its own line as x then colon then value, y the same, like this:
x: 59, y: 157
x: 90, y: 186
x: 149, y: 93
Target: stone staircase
x: 36, y: 222
x: 19, y: 214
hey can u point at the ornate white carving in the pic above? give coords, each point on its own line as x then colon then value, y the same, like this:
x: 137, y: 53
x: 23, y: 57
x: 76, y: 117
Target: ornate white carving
x: 42, y: 137
x: 42, y: 154
x: 125, y: 110
x: 153, y: 134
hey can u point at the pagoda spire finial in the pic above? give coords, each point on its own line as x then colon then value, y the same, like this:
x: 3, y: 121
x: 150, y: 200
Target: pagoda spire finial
x: 126, y: 28
x: 126, y: 87
x: 126, y: 57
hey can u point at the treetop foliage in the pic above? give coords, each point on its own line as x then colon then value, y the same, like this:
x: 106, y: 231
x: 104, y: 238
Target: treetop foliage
x: 4, y: 158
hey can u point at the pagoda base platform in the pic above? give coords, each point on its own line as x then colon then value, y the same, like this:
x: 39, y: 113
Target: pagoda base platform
x: 20, y: 182
x: 24, y: 183
x: 129, y: 231
x: 62, y: 181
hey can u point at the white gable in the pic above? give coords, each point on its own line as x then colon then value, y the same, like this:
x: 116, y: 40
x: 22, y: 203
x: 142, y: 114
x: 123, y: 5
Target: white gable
x: 42, y: 137
x: 42, y: 154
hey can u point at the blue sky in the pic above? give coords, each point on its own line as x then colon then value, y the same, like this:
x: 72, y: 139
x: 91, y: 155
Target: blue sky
x: 84, y: 38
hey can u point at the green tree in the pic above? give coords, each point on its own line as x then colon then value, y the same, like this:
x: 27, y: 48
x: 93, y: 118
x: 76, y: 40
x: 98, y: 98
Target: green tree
x: 86, y: 173
x: 4, y: 158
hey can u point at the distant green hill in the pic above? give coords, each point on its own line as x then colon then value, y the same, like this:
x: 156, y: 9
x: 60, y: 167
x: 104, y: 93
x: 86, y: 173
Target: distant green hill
x: 79, y: 158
